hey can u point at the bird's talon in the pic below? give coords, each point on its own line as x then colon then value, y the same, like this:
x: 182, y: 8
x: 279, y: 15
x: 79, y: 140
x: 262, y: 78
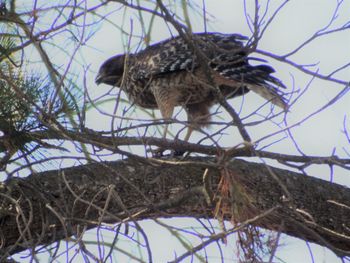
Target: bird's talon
x: 177, y: 153
x: 157, y: 153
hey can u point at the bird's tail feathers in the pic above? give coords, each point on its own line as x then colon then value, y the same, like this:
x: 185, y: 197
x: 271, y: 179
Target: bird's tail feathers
x: 270, y: 93
x: 261, y: 81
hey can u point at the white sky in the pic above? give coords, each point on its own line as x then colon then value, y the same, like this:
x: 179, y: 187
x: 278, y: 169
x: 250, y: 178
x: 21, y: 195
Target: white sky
x: 298, y: 20
x: 295, y: 23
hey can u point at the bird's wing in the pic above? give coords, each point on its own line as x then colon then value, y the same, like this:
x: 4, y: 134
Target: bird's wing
x: 225, y: 54
x: 256, y: 78
x: 176, y: 54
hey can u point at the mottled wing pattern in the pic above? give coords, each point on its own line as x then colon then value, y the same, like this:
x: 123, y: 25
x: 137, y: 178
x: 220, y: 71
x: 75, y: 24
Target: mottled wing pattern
x: 239, y: 70
x: 225, y: 54
x: 175, y: 54
x: 175, y: 72
x: 257, y: 79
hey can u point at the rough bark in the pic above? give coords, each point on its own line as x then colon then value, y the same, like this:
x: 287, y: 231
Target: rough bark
x: 49, y: 206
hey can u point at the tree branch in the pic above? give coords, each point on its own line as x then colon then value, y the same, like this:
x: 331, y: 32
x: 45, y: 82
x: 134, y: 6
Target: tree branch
x: 53, y: 205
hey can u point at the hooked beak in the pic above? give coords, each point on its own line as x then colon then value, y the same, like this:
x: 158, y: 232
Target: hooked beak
x: 109, y: 80
x: 99, y: 78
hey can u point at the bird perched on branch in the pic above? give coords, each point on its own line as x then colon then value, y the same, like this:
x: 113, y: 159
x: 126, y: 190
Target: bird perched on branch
x: 191, y: 73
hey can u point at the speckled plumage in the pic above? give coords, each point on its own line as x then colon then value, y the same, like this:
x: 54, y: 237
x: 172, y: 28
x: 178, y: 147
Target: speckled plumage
x: 169, y: 74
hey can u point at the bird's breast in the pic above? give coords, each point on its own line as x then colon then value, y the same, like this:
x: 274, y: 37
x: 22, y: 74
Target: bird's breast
x: 182, y: 87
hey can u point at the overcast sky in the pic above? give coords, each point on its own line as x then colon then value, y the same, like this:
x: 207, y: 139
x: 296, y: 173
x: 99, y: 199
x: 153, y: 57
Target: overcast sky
x: 295, y: 23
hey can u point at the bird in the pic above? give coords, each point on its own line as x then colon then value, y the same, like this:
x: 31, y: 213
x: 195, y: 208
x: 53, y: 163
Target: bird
x: 179, y: 72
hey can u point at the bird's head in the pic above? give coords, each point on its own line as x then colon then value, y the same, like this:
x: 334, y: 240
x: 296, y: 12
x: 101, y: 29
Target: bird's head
x: 111, y: 71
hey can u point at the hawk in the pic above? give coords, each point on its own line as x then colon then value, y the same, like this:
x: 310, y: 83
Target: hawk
x: 176, y: 72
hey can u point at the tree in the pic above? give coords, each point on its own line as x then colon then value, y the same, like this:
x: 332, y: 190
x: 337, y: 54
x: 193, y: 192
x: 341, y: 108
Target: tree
x: 63, y: 174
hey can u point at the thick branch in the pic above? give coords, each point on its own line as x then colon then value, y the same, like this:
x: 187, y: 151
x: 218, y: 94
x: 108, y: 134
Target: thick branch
x: 49, y: 206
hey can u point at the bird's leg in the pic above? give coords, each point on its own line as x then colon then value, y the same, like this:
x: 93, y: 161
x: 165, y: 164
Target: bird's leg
x: 190, y: 129
x: 166, y: 101
x: 167, y: 113
x: 198, y: 116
